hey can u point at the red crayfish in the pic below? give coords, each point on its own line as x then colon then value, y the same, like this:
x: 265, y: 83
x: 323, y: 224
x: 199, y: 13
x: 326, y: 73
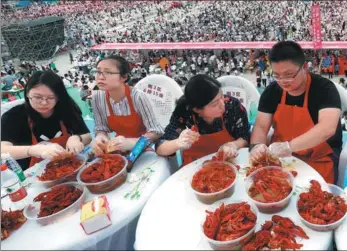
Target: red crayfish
x: 11, y: 220
x: 108, y: 166
x: 280, y: 233
x: 267, y: 160
x: 213, y: 177
x: 60, y: 167
x: 321, y: 207
x: 57, y: 199
x: 270, y: 185
x: 229, y: 222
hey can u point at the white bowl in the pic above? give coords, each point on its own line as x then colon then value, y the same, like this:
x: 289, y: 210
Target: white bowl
x: 209, y: 198
x: 335, y: 190
x: 271, y: 207
x: 238, y: 243
x: 32, y: 210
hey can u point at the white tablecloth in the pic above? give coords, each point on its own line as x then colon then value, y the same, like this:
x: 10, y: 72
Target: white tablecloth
x: 69, y: 235
x: 341, y: 234
x: 171, y: 218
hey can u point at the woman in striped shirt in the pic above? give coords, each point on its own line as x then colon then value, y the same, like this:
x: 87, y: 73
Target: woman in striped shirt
x: 120, y: 109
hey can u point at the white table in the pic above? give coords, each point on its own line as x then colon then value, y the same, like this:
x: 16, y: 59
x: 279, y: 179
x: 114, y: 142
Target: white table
x: 341, y: 234
x: 172, y: 216
x: 69, y: 235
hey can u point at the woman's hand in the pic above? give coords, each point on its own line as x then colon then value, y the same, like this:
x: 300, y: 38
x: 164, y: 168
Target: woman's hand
x: 46, y: 151
x: 187, y: 138
x: 74, y: 145
x: 229, y: 151
x: 99, y: 144
x: 120, y: 143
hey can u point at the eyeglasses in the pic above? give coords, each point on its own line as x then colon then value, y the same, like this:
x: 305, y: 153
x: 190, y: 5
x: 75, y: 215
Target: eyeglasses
x: 105, y: 74
x: 39, y: 100
x: 285, y: 79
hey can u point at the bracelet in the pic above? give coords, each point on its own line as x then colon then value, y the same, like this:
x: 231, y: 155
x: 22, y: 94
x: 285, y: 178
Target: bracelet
x: 251, y: 146
x: 80, y: 137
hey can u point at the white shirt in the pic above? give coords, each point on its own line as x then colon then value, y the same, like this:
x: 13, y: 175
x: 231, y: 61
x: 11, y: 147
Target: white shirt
x: 344, y: 123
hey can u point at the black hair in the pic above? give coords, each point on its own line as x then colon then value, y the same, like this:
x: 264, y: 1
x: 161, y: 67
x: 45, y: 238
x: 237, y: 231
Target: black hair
x: 287, y: 51
x: 121, y: 63
x: 65, y: 109
x: 344, y: 113
x: 200, y: 90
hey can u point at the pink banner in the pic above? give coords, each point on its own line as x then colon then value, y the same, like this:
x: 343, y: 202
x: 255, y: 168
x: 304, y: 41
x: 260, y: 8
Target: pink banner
x: 212, y: 45
x: 316, y: 27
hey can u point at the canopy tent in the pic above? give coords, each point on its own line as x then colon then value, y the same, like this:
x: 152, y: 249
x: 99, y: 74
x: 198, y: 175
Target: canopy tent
x: 211, y: 45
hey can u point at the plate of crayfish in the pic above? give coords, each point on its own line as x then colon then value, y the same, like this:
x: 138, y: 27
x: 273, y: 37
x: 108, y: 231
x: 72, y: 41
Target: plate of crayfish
x: 58, y: 170
x: 229, y: 224
x: 323, y: 207
x: 104, y: 174
x: 56, y: 203
x: 11, y: 221
x: 214, y: 180
x: 270, y: 188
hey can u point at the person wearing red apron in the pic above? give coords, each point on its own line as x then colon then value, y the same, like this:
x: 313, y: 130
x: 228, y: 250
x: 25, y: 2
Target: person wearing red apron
x: 116, y: 111
x: 303, y: 109
x: 204, y: 122
x: 48, y: 124
x: 287, y: 127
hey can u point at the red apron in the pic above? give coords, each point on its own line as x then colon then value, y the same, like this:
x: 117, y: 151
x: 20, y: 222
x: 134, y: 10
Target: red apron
x: 128, y: 126
x: 290, y: 122
x: 62, y: 140
x: 207, y: 144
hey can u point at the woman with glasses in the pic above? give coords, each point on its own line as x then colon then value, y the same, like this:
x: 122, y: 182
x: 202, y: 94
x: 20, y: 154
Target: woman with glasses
x: 304, y: 109
x: 120, y: 109
x: 47, y: 125
x: 204, y: 122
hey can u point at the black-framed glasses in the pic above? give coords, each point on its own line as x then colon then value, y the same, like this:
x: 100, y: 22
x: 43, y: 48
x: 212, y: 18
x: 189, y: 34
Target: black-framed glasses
x: 39, y: 100
x: 285, y: 79
x: 105, y: 74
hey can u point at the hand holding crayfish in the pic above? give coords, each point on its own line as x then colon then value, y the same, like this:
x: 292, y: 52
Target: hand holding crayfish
x: 280, y: 149
x: 99, y: 144
x: 187, y: 138
x: 229, y: 151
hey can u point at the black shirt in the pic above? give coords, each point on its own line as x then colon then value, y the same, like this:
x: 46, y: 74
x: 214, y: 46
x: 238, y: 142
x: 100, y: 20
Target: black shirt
x: 322, y: 94
x: 235, y: 121
x: 15, y: 129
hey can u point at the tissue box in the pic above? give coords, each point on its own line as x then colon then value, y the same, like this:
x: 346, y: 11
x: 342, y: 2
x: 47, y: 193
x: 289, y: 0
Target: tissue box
x: 95, y: 215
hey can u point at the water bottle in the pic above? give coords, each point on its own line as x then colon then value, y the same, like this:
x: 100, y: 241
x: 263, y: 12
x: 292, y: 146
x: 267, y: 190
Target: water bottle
x: 12, y: 185
x: 14, y: 166
x: 139, y: 147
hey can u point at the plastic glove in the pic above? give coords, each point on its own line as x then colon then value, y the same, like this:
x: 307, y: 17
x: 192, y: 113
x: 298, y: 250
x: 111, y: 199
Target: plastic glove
x: 258, y: 153
x: 74, y: 145
x: 280, y: 149
x: 187, y: 138
x: 121, y: 143
x: 99, y: 144
x: 47, y: 151
x: 229, y: 151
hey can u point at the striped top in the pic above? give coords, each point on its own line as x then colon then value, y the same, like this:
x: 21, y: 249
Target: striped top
x: 142, y: 106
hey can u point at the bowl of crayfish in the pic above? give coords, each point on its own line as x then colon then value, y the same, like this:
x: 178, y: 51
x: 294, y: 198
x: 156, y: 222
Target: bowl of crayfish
x: 59, y: 169
x: 270, y: 188
x: 215, y: 180
x: 104, y: 174
x: 57, y: 203
x: 323, y: 207
x: 229, y: 225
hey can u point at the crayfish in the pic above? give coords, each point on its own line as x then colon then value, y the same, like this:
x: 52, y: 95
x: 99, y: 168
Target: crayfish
x: 270, y: 185
x: 60, y: 167
x: 213, y: 177
x: 229, y: 222
x: 321, y: 207
x: 280, y: 233
x: 11, y: 220
x: 57, y: 199
x: 267, y: 160
x: 108, y: 166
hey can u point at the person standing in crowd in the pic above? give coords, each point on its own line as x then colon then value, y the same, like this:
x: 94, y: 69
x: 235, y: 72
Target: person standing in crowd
x: 205, y: 121
x: 47, y: 125
x: 120, y: 109
x: 304, y: 110
x: 344, y: 121
x: 7, y: 81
